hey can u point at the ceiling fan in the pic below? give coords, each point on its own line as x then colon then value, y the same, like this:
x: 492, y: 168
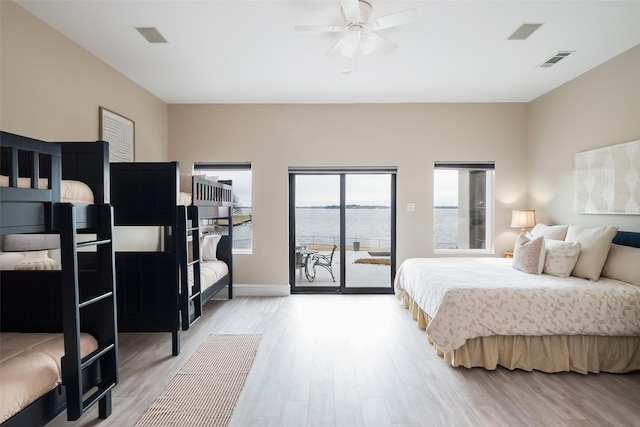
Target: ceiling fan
x: 359, y: 35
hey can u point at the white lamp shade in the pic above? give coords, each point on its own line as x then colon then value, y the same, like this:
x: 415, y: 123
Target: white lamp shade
x: 523, y: 218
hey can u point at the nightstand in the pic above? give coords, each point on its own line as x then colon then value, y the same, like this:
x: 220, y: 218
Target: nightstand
x: 508, y: 254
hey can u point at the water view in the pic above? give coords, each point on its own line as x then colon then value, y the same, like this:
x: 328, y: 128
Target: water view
x: 369, y: 226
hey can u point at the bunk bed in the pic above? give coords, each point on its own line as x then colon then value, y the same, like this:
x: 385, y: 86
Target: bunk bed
x: 163, y: 290
x: 59, y: 345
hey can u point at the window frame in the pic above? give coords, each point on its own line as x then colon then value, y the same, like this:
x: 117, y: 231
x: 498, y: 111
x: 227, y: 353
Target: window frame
x: 215, y: 167
x: 488, y: 166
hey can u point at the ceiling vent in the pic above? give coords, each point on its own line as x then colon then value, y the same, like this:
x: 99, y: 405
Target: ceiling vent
x: 555, y: 59
x: 151, y: 34
x: 524, y: 31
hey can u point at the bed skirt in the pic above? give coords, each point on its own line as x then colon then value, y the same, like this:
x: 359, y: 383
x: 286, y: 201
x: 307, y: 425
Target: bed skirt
x: 551, y: 353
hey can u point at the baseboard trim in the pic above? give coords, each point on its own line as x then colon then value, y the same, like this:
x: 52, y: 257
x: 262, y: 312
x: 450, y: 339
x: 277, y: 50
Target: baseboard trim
x: 253, y: 290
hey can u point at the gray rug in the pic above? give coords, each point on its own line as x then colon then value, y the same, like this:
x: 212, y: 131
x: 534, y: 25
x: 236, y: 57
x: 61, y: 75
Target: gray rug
x: 205, y: 391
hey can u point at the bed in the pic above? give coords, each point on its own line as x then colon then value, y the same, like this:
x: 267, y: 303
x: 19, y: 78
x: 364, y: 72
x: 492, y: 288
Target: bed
x: 163, y: 290
x: 483, y: 312
x: 58, y: 347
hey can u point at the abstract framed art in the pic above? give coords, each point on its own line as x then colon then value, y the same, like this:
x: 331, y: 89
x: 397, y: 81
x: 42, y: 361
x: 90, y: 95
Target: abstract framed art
x: 607, y: 180
x: 119, y: 132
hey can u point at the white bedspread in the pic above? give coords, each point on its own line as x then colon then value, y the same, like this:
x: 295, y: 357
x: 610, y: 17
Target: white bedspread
x: 471, y: 297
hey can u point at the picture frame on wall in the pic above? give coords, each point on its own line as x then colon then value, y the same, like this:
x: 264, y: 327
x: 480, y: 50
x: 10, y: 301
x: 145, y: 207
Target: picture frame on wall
x: 119, y: 132
x: 606, y: 180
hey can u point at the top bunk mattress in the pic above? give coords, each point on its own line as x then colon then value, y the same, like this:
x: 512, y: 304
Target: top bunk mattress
x: 71, y: 191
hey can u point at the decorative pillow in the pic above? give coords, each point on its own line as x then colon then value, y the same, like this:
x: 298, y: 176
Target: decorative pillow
x: 190, y: 248
x: 555, y: 232
x: 560, y: 257
x: 529, y: 254
x: 623, y: 263
x: 595, y: 243
x: 210, y: 247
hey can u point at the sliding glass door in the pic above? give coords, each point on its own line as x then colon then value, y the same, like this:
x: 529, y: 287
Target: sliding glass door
x: 342, y: 231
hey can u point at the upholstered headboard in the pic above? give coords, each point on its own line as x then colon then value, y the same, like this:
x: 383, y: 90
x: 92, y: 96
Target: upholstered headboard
x: 627, y: 238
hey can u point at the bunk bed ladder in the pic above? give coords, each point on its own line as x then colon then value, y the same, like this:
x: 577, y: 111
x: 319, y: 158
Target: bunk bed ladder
x: 96, y: 301
x: 191, y: 310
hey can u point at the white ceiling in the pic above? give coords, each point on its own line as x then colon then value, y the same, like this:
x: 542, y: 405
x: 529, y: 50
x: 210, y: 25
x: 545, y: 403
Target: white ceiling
x: 238, y: 51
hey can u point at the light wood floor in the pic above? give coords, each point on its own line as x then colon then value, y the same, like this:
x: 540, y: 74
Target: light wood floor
x: 361, y: 361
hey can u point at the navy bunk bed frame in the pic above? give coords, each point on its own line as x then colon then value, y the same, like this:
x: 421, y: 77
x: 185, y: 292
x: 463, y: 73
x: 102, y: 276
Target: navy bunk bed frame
x: 153, y: 289
x: 80, y: 296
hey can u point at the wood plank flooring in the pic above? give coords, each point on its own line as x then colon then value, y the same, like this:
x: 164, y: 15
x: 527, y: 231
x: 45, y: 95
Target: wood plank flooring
x: 330, y: 360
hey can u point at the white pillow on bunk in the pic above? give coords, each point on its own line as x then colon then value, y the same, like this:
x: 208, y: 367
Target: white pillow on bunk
x: 210, y: 247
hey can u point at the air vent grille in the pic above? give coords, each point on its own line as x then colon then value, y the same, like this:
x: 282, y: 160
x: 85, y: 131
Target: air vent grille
x: 555, y: 59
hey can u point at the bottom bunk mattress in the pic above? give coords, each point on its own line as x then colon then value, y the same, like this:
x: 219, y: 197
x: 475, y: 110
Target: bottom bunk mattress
x: 210, y: 273
x: 483, y: 312
x: 30, y: 366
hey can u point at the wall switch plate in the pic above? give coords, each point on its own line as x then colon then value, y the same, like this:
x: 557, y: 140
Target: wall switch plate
x: 411, y: 207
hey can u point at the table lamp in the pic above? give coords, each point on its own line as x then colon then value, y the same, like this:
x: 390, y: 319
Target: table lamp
x: 523, y: 219
x: 35, y: 248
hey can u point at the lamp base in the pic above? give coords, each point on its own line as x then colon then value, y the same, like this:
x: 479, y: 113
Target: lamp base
x: 37, y: 260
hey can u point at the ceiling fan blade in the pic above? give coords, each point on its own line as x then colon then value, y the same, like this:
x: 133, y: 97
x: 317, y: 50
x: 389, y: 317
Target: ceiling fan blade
x: 324, y: 28
x: 372, y: 42
x: 346, y: 46
x: 351, y: 10
x: 395, y: 19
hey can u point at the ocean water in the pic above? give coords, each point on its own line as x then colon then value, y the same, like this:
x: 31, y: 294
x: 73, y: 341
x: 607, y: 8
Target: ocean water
x: 370, y: 227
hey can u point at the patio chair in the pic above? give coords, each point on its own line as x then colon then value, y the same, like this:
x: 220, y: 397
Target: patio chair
x: 324, y: 261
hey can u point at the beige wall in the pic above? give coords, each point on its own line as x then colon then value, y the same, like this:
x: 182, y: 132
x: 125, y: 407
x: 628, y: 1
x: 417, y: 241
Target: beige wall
x: 409, y: 136
x: 597, y: 109
x: 51, y: 88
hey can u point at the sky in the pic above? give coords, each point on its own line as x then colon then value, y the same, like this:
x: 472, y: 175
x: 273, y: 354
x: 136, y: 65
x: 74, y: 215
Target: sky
x: 445, y: 187
x: 365, y: 189
x: 323, y: 190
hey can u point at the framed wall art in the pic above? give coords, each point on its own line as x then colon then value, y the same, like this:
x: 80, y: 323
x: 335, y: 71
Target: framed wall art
x: 607, y: 180
x: 119, y: 132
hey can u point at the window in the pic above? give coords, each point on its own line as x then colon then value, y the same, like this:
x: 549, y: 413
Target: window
x: 463, y: 207
x: 240, y: 174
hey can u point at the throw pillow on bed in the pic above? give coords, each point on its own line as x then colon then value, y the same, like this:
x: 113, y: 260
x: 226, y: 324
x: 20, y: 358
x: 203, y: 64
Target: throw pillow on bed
x: 623, y: 263
x: 210, y: 247
x: 595, y: 243
x: 555, y: 232
x: 561, y: 257
x: 529, y: 254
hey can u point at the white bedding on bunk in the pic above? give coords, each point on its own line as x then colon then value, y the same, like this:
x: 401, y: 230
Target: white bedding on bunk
x: 70, y: 191
x: 185, y: 199
x: 30, y: 366
x: 473, y: 297
x: 210, y: 273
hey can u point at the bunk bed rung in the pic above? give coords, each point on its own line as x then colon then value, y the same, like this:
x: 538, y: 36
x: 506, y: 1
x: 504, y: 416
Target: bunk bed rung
x: 93, y: 243
x: 194, y: 296
x: 96, y: 355
x: 96, y: 396
x: 195, y: 261
x: 95, y: 299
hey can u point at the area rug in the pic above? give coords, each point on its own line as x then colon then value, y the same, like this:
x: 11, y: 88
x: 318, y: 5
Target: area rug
x: 205, y: 391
